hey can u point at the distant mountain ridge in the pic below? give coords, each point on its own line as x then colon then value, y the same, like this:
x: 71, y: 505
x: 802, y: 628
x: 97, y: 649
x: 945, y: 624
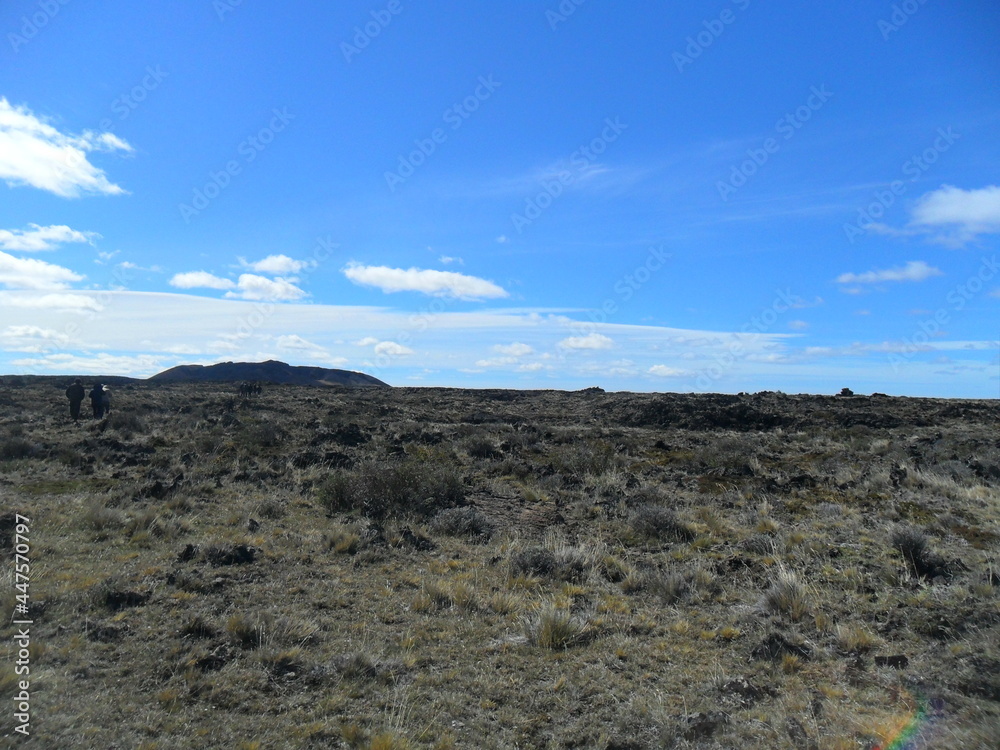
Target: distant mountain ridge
x: 267, y: 372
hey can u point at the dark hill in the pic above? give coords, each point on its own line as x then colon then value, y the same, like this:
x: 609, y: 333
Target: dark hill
x: 267, y: 372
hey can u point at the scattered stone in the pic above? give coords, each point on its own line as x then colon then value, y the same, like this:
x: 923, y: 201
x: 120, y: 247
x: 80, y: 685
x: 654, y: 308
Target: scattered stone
x: 703, y: 725
x: 106, y: 633
x: 744, y: 693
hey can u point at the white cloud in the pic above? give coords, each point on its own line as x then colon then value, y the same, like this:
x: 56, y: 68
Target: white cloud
x: 496, y: 362
x: 516, y: 349
x: 52, y: 302
x: 591, y: 341
x: 502, y: 239
x: 392, y: 349
x: 666, y: 372
x: 249, y: 286
x: 366, y: 341
x: 253, y: 287
x: 28, y: 273
x: 33, y: 152
x: 200, y: 279
x: 533, y: 367
x: 30, y: 338
x: 446, y: 259
x: 967, y: 213
x: 798, y: 325
x: 42, y: 238
x: 98, y: 364
x: 296, y: 342
x: 426, y: 281
x: 914, y: 270
x: 280, y: 265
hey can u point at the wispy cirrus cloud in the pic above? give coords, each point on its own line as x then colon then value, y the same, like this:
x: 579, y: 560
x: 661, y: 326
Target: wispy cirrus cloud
x: 51, y: 303
x: 35, y: 153
x: 914, y: 270
x: 425, y: 281
x: 37, y: 238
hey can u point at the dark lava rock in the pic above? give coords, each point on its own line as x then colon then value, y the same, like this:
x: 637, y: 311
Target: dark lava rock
x: 898, y: 661
x: 744, y: 693
x: 703, y: 725
x: 120, y: 599
x: 775, y: 645
x: 235, y: 554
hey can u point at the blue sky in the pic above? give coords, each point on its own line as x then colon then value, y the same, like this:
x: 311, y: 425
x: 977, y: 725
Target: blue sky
x: 706, y: 196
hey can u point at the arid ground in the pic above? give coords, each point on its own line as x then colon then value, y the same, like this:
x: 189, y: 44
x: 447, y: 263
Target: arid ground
x: 436, y: 568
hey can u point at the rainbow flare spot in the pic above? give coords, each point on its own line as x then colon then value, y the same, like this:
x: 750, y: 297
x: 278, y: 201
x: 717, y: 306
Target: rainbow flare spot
x: 907, y: 728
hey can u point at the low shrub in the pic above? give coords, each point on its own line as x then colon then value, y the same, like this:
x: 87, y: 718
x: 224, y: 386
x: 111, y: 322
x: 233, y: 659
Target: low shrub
x: 555, y: 628
x: 468, y: 522
x: 384, y: 489
x: 657, y: 522
x: 17, y: 447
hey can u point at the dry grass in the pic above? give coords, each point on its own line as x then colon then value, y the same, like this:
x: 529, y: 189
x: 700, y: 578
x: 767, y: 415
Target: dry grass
x: 435, y: 569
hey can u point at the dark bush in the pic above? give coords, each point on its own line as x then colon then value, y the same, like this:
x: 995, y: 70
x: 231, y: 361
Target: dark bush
x: 533, y: 561
x: 17, y: 447
x: 126, y: 422
x: 657, y: 522
x: 466, y: 522
x: 912, y: 545
x: 482, y: 448
x: 383, y: 489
